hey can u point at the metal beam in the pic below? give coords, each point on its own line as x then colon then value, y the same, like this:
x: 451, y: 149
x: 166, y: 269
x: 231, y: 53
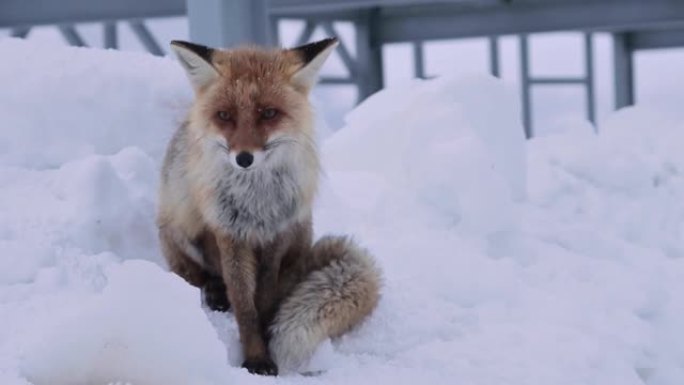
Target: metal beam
x: 274, y: 31
x: 229, y: 23
x: 305, y: 36
x: 557, y: 81
x: 72, y: 36
x: 589, y: 81
x: 346, y: 57
x: 446, y: 21
x: 20, y: 32
x: 657, y: 39
x: 418, y: 60
x: 623, y: 63
x: 301, y: 7
x: 494, y: 61
x: 526, y: 86
x: 17, y: 13
x: 111, y: 40
x: 337, y: 80
x: 146, y: 38
x: 369, y: 55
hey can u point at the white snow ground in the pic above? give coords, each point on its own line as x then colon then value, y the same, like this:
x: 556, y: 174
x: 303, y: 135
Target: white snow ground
x: 556, y: 261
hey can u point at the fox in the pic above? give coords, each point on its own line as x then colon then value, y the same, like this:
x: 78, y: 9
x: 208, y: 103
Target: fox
x: 238, y: 183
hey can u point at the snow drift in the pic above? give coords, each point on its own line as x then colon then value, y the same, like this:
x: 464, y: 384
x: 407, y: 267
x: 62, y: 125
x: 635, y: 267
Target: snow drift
x: 554, y: 261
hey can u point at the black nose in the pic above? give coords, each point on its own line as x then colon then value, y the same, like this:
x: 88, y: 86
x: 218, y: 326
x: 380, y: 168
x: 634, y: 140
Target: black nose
x: 244, y: 159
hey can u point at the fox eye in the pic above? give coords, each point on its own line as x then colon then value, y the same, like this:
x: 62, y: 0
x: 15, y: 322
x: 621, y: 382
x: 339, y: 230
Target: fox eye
x: 268, y: 113
x: 224, y: 115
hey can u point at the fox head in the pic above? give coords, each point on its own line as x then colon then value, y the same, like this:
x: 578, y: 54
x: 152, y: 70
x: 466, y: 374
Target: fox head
x: 252, y: 101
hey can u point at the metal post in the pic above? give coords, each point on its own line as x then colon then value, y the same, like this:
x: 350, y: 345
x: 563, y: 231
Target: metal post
x: 20, y: 32
x: 305, y: 36
x: 526, y: 85
x: 274, y: 30
x: 111, y: 40
x: 494, y: 66
x: 589, y: 66
x: 624, y: 70
x: 418, y: 60
x: 72, y: 36
x: 369, y: 55
x: 345, y: 55
x: 228, y: 23
x: 146, y: 38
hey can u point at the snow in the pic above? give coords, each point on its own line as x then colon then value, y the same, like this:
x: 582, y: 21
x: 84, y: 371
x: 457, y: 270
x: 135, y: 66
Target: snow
x: 552, y: 261
x: 60, y: 107
x: 115, y: 345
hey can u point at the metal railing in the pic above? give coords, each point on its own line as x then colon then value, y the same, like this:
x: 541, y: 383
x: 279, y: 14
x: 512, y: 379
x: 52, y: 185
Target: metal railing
x: 110, y: 31
x: 634, y: 24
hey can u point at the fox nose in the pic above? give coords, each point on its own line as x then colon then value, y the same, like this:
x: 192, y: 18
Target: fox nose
x: 244, y: 159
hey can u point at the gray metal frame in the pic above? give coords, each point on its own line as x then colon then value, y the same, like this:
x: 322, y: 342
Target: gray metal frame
x: 110, y: 35
x: 20, y: 16
x: 29, y: 13
x: 623, y: 64
x: 528, y: 81
x: 635, y: 25
x: 406, y: 20
x: 228, y: 23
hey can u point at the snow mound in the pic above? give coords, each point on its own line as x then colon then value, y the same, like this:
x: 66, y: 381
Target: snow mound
x: 95, y: 204
x: 146, y: 327
x: 406, y: 121
x: 63, y: 106
x: 455, y: 145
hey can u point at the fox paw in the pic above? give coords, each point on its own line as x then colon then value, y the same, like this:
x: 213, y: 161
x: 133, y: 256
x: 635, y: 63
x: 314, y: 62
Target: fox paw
x: 215, y: 297
x: 264, y: 367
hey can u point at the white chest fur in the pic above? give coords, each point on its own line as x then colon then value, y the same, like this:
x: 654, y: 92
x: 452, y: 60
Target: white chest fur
x: 255, y: 204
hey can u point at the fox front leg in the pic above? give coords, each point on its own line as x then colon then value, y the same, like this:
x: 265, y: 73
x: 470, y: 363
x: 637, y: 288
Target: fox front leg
x: 178, y: 259
x: 273, y: 283
x: 239, y: 267
x: 215, y: 294
x: 267, y: 296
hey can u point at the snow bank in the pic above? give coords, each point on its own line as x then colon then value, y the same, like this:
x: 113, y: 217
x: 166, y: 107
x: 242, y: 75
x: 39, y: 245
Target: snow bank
x: 454, y: 145
x: 64, y: 106
x: 556, y: 261
x: 94, y: 204
x: 118, y: 336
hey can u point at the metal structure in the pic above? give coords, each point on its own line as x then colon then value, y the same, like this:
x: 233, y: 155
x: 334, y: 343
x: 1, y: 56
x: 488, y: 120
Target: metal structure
x: 528, y: 81
x: 20, y: 16
x: 634, y: 24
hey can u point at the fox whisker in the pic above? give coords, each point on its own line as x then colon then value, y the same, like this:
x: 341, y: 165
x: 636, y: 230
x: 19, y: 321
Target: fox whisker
x: 223, y: 146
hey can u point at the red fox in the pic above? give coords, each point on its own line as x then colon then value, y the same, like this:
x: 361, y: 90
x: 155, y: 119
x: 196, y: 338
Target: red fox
x: 238, y: 182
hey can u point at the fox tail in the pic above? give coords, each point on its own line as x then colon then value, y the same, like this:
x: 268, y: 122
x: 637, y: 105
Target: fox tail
x: 340, y: 290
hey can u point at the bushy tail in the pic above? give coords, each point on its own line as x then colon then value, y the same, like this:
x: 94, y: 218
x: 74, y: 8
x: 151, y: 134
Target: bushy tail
x: 341, y: 289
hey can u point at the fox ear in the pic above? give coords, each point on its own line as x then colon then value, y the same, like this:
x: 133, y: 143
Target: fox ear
x: 312, y: 57
x: 196, y: 60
